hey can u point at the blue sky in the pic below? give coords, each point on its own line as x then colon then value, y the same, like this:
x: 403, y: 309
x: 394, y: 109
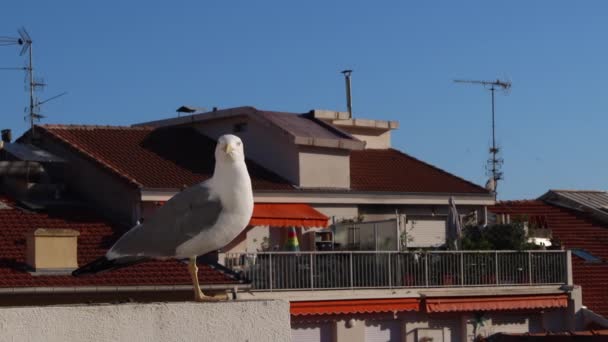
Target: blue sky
x: 124, y: 62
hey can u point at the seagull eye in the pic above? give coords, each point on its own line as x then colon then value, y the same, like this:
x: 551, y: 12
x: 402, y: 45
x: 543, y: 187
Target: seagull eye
x: 238, y: 143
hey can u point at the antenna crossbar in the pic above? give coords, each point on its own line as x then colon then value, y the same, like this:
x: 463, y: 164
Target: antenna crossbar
x: 494, y: 163
x: 25, y: 41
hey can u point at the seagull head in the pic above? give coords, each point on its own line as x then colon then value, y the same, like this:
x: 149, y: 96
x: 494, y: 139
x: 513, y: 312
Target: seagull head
x: 229, y: 149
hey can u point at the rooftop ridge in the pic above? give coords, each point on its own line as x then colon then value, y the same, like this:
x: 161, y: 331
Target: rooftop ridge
x: 520, y: 201
x: 572, y: 190
x: 93, y: 127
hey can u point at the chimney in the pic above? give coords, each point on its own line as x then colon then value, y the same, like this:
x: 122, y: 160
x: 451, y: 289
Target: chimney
x: 52, y: 251
x: 349, y: 101
x: 7, y: 136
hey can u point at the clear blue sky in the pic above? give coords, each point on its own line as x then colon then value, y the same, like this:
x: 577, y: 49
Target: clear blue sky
x: 123, y: 62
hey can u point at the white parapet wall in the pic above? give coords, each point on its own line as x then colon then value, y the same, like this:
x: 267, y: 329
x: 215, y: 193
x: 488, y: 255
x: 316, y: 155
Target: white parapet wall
x: 254, y: 320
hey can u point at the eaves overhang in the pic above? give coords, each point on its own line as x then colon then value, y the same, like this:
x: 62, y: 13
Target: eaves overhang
x: 343, y: 197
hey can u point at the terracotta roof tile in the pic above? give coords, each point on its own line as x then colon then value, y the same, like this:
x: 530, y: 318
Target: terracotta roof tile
x: 392, y: 170
x: 96, y: 236
x: 161, y: 158
x: 574, y: 230
x: 168, y: 158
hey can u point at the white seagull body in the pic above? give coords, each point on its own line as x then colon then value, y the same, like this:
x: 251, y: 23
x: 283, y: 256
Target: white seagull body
x: 200, y: 219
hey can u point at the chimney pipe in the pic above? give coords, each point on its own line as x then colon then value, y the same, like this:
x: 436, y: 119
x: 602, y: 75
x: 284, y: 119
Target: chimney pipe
x: 349, y: 104
x: 7, y: 136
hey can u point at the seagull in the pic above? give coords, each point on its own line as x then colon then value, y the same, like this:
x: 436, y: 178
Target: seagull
x: 200, y: 219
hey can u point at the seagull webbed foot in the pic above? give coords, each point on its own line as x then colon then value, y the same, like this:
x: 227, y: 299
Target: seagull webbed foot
x: 201, y: 297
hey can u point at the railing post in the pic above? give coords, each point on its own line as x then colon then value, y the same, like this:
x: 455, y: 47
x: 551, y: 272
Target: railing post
x: 426, y: 268
x: 312, y: 273
x: 352, y: 285
x: 270, y: 270
x: 461, y: 268
x: 530, y: 267
x: 496, y: 269
x: 389, y: 271
x: 569, y: 280
x: 351, y: 270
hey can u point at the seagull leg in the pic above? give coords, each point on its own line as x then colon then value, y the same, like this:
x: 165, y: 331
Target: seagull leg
x: 199, y: 296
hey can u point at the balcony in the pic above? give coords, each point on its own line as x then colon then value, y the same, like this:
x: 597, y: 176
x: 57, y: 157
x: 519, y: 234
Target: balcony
x: 278, y: 271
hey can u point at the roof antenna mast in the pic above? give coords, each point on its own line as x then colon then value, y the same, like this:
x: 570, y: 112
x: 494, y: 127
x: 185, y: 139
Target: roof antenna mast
x: 349, y: 103
x: 494, y: 164
x: 25, y: 41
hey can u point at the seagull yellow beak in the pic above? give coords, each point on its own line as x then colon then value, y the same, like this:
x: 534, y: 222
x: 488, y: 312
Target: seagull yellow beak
x: 229, y: 148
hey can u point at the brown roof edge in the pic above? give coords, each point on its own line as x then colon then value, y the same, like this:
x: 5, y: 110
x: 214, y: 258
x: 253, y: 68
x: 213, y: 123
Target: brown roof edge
x: 347, y: 142
x: 47, y: 129
x: 186, y: 119
x: 350, y: 142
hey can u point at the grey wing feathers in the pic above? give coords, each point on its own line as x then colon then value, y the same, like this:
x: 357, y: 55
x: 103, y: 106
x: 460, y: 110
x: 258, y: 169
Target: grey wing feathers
x: 184, y: 216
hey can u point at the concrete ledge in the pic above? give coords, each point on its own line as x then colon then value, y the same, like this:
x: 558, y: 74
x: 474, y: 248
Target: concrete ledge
x: 414, y: 292
x: 259, y: 320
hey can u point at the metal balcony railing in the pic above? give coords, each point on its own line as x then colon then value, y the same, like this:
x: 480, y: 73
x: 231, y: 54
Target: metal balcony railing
x: 273, y: 271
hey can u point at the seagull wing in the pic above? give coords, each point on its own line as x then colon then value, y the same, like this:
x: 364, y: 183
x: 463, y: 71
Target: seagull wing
x: 184, y: 216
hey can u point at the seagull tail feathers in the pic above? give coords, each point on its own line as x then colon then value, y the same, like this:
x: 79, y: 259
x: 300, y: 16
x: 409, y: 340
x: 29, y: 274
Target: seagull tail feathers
x: 104, y: 264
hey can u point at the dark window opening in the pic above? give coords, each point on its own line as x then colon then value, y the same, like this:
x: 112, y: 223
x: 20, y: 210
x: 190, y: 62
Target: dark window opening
x: 239, y: 127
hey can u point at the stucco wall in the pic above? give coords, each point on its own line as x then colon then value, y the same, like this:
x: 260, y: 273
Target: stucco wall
x: 251, y: 321
x: 337, y: 211
x: 374, y: 139
x: 385, y: 212
x: 324, y: 168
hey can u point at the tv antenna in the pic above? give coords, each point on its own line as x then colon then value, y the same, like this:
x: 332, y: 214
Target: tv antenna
x: 25, y: 41
x: 494, y: 164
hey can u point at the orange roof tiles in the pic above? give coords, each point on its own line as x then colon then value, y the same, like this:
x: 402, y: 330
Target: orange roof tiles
x: 96, y: 236
x: 574, y: 230
x: 161, y: 158
x: 392, y: 170
x: 168, y: 158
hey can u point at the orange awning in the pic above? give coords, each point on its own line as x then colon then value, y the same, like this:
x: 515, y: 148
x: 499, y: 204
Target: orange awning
x: 496, y: 303
x: 287, y: 215
x: 332, y: 307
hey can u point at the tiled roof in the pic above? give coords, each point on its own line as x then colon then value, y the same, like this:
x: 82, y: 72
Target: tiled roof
x: 595, y: 202
x: 574, y: 230
x: 161, y: 158
x: 392, y: 170
x: 168, y: 158
x: 96, y: 236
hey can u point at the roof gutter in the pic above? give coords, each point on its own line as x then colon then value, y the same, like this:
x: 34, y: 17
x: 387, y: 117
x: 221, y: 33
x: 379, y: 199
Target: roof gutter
x: 343, y: 197
x: 114, y: 289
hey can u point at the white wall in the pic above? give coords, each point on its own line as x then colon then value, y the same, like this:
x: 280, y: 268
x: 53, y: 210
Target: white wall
x: 260, y: 320
x: 324, y: 168
x: 373, y: 137
x: 445, y: 327
x: 338, y: 211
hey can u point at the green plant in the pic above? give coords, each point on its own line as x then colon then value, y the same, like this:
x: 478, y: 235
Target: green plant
x: 510, y: 236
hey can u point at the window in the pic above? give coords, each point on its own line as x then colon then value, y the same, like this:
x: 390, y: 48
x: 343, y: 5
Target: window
x: 239, y: 127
